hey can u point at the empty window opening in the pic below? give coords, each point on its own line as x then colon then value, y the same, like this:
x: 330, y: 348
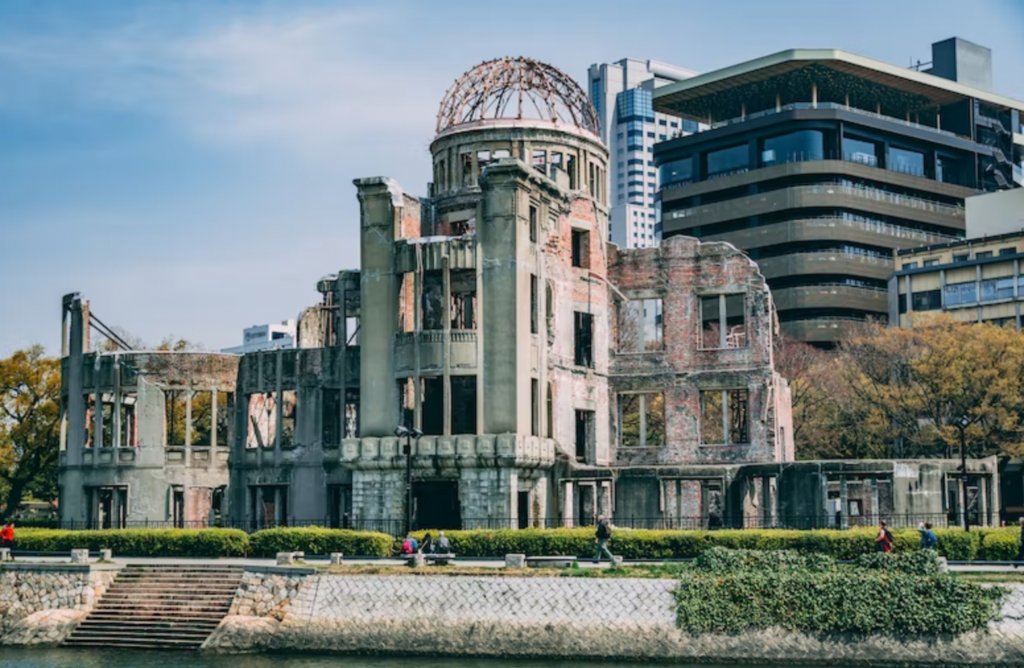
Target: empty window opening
x: 202, y: 418
x: 533, y: 223
x: 178, y: 507
x: 592, y: 183
x: 723, y: 321
x: 268, y: 506
x: 351, y: 331
x: 583, y: 328
x: 107, y: 421
x: 570, y: 167
x: 330, y: 418
x: 467, y: 169
x: 501, y: 153
x: 724, y: 417
x: 432, y: 301
x: 534, y: 407
x: 129, y: 428
x: 432, y: 417
x: 550, y: 425
x: 225, y: 418
x: 439, y: 176
x: 640, y: 326
x: 262, y: 426
x: 175, y: 403
x: 540, y: 160
x: 407, y: 303
x: 407, y: 402
x: 289, y: 409
x: 351, y: 413
x: 584, y: 434
x: 463, y: 408
x: 339, y: 504
x: 580, y: 248
x: 90, y: 414
x: 483, y: 158
x: 534, y: 306
x: 556, y: 161
x: 642, y: 420
x: 463, y: 299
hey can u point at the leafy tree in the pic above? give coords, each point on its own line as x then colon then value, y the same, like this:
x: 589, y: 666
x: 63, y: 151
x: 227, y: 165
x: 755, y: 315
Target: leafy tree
x: 29, y: 426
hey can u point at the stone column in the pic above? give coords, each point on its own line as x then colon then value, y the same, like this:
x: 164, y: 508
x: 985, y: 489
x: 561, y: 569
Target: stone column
x: 380, y: 203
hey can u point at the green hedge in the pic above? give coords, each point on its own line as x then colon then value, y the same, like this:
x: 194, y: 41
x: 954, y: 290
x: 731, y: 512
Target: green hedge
x: 954, y: 544
x: 315, y: 540
x: 882, y: 593
x: 139, y: 542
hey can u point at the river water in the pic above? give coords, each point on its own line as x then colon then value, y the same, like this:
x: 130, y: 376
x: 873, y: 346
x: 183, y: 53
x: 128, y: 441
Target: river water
x: 11, y: 657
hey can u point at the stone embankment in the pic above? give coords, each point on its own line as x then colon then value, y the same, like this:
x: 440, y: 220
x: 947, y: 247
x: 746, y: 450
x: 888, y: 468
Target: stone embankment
x: 41, y: 603
x: 260, y: 605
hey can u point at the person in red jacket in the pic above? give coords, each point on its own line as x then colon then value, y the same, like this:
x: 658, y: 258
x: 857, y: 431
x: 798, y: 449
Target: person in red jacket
x: 7, y: 538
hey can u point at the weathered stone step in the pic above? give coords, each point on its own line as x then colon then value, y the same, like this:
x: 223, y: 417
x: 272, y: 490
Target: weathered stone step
x: 154, y: 618
x: 152, y: 634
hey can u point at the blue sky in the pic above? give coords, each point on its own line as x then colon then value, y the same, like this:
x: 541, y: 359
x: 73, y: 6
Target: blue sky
x: 188, y: 165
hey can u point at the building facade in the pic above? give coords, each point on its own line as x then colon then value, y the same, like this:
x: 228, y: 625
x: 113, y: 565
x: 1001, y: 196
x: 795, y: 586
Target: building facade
x: 265, y: 337
x: 621, y: 93
x: 819, y: 163
x: 145, y: 436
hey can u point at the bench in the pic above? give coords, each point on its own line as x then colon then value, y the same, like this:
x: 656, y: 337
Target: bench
x: 429, y: 559
x: 550, y: 562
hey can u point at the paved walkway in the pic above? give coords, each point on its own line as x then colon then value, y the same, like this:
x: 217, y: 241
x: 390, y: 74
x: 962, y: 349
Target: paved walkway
x: 465, y: 563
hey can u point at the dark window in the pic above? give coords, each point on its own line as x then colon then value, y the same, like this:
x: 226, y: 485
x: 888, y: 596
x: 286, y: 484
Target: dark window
x: 957, y: 259
x: 677, y: 171
x: 174, y: 409
x: 901, y: 303
x: 225, y: 418
x: 931, y: 263
x: 534, y: 306
x: 533, y: 224
x: 534, y: 407
x: 583, y: 328
x: 856, y: 150
x: 580, y: 248
x: 928, y: 300
x: 584, y: 434
x: 793, y: 147
x: 982, y: 255
x: 910, y: 265
x: 727, y: 160
x: 906, y: 161
x: 177, y: 509
x: 1007, y: 251
x: 330, y: 418
x: 432, y: 415
x: 550, y: 414
x: 275, y: 336
x: 463, y: 409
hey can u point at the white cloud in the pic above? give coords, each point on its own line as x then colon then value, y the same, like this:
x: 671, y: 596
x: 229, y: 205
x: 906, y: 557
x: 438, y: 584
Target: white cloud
x: 306, y: 79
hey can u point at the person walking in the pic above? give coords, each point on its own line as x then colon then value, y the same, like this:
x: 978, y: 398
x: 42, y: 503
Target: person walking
x: 929, y: 541
x: 603, y: 535
x: 883, y: 541
x: 7, y: 537
x: 1020, y: 543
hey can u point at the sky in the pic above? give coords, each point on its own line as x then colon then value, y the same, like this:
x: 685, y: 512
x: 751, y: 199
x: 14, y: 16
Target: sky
x: 187, y: 165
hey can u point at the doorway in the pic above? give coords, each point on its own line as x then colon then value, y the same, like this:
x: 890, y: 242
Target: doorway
x: 436, y: 505
x: 524, y: 510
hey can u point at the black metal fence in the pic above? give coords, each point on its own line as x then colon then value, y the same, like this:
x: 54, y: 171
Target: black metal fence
x: 396, y: 526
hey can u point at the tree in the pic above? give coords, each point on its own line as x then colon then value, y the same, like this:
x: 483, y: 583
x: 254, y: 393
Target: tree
x: 914, y: 384
x: 29, y: 426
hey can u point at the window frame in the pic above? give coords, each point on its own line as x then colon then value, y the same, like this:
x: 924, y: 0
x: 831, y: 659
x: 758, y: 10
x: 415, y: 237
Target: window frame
x: 723, y: 329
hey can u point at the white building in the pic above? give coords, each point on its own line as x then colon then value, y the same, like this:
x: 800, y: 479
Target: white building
x: 621, y: 94
x: 265, y: 337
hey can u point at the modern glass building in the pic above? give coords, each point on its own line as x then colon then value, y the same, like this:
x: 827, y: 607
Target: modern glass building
x: 621, y: 92
x: 820, y: 163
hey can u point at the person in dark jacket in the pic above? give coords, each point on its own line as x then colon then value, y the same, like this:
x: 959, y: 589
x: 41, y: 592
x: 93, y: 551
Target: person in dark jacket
x: 428, y: 544
x: 603, y: 535
x: 929, y: 541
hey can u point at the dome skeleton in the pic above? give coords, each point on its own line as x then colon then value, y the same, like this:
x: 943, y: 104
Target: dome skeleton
x: 486, y: 92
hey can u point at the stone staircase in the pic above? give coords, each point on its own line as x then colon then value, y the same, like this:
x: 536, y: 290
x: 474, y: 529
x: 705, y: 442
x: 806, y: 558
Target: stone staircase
x: 160, y: 607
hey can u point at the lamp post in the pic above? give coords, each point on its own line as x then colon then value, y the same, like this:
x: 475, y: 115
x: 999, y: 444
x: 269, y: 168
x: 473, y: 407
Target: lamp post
x: 962, y: 424
x: 401, y: 431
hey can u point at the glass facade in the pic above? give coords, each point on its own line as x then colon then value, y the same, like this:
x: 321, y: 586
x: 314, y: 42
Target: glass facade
x: 857, y: 150
x: 793, y: 147
x: 635, y: 104
x: 728, y: 160
x: 959, y: 294
x: 906, y: 161
x: 677, y: 171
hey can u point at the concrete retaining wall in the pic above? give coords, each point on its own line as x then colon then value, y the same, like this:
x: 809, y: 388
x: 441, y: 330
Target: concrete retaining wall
x: 570, y: 618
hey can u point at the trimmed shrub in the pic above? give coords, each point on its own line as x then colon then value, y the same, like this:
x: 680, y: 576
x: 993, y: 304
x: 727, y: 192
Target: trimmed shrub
x: 921, y: 562
x: 841, y: 600
x: 721, y: 560
x: 999, y: 544
x: 958, y: 545
x: 317, y: 540
x: 139, y: 542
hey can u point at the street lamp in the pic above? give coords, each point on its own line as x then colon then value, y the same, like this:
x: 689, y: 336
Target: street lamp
x: 401, y: 431
x: 962, y: 424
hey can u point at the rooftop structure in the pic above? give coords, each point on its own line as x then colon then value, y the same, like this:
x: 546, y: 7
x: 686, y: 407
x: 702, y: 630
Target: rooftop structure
x: 265, y: 337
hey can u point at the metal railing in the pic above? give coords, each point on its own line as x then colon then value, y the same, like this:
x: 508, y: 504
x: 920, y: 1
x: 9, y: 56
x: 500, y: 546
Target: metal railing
x: 396, y: 526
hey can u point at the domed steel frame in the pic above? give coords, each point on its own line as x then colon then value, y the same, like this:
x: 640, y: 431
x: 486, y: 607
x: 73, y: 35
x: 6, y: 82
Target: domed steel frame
x: 513, y: 88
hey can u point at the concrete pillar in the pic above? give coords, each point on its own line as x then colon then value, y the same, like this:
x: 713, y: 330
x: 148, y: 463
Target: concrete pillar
x: 380, y: 203
x: 568, y: 505
x: 498, y: 243
x: 843, y: 505
x: 814, y: 95
x: 604, y: 499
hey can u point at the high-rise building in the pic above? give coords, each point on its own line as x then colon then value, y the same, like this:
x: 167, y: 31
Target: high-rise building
x: 819, y: 163
x: 621, y: 93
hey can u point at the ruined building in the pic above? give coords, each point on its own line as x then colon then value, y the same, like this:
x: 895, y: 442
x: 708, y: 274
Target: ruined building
x: 493, y: 317
x: 546, y: 377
